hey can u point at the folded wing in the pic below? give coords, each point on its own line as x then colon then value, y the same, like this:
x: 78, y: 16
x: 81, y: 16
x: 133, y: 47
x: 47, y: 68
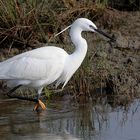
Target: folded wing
x: 38, y: 64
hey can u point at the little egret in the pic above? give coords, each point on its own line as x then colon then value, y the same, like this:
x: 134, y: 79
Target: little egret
x: 43, y: 66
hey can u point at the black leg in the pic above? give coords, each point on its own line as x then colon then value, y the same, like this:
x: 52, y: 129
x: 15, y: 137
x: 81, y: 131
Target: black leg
x: 12, y: 90
x: 19, y: 97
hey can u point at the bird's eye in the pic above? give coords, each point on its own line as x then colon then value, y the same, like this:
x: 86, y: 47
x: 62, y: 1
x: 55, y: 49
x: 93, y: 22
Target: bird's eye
x: 90, y: 26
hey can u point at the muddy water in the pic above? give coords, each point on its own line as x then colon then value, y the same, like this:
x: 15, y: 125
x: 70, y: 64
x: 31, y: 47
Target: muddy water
x: 68, y: 121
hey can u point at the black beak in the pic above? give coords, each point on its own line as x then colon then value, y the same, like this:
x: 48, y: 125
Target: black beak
x: 104, y: 34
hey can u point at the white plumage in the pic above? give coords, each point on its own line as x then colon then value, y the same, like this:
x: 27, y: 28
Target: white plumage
x: 35, y: 68
x: 43, y: 66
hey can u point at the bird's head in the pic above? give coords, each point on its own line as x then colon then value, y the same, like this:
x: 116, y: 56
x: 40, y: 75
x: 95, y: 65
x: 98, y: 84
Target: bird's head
x: 87, y: 25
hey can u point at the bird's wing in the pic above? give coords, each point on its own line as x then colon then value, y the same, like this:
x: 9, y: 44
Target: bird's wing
x: 39, y: 64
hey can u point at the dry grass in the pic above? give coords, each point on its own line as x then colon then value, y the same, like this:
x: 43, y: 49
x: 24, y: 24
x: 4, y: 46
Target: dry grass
x: 27, y: 23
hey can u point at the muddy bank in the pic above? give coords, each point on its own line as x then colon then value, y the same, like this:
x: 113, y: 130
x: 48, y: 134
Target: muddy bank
x: 114, y: 66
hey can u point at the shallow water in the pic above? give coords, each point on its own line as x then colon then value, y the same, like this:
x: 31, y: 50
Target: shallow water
x: 66, y: 121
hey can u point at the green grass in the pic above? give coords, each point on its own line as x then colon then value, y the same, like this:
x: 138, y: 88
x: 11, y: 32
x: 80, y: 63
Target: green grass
x: 101, y: 4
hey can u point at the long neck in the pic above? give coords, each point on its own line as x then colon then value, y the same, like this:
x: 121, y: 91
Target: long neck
x: 75, y: 59
x: 80, y: 45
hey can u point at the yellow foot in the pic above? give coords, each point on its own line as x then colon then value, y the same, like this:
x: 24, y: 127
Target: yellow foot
x: 39, y: 104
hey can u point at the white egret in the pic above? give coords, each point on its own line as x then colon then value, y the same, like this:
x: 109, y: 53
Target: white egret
x: 43, y: 66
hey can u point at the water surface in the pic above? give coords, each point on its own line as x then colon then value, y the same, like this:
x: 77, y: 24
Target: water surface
x: 64, y: 120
